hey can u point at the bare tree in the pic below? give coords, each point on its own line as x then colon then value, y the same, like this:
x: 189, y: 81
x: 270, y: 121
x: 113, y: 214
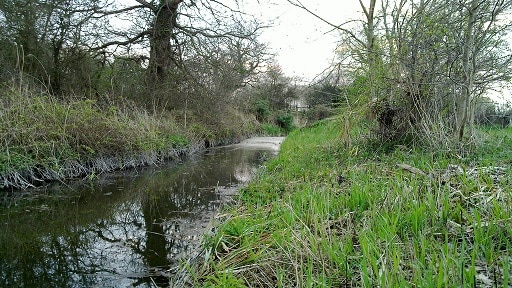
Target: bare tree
x: 74, y: 42
x: 172, y: 26
x: 428, y: 61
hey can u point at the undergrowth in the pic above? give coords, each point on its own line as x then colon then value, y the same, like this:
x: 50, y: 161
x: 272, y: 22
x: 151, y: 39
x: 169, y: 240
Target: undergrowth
x: 43, y: 138
x: 322, y: 214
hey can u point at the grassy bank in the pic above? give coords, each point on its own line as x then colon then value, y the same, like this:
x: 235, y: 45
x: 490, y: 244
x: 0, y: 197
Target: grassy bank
x: 322, y: 215
x: 46, y: 139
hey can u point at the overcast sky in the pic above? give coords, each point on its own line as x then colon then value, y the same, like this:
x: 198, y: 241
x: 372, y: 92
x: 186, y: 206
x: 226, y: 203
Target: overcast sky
x: 303, y: 43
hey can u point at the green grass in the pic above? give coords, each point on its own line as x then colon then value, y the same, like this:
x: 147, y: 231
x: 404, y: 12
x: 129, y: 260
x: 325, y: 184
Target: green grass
x: 323, y: 215
x: 44, y: 138
x: 270, y: 129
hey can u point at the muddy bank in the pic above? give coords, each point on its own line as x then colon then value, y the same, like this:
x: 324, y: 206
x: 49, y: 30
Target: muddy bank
x: 73, y: 169
x: 76, y: 169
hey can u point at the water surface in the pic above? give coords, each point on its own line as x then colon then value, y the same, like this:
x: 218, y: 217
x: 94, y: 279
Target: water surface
x: 122, y: 229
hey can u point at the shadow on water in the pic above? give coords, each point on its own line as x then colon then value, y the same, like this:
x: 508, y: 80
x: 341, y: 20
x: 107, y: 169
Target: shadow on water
x: 125, y: 229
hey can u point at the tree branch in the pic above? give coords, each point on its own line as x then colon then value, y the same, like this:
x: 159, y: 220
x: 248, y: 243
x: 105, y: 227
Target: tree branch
x: 131, y: 40
x: 147, y: 5
x: 337, y: 27
x: 364, y: 9
x: 104, y: 13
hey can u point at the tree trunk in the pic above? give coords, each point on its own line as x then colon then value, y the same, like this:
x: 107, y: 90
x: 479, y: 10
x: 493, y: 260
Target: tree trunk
x: 162, y: 56
x: 463, y: 102
x: 370, y: 45
x: 56, y: 70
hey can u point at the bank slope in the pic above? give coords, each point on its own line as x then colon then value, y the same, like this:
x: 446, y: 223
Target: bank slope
x: 324, y: 215
x: 43, y: 138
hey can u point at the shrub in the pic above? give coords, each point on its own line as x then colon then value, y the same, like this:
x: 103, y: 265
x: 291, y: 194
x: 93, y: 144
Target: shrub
x: 261, y: 109
x: 319, y: 112
x: 285, y: 121
x: 271, y: 129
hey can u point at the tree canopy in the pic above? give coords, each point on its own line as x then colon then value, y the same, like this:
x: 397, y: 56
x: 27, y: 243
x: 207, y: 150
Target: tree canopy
x: 70, y: 46
x: 427, y: 62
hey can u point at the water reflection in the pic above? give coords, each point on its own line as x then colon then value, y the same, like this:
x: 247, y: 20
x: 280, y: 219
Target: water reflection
x: 126, y: 229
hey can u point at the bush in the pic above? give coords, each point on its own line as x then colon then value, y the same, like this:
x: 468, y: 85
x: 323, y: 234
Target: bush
x: 261, y: 109
x: 319, y: 112
x: 285, y: 121
x: 271, y: 129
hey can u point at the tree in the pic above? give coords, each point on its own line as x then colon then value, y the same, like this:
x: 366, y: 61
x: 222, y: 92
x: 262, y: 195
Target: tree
x: 174, y: 27
x: 45, y: 39
x: 323, y: 94
x: 69, y: 45
x: 444, y: 54
x: 277, y: 89
x: 267, y: 92
x: 428, y: 61
x: 212, y: 75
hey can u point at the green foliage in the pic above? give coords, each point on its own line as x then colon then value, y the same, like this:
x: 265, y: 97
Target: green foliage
x: 355, y: 92
x: 343, y: 216
x: 377, y: 146
x: 14, y: 160
x: 271, y: 129
x: 285, y: 121
x: 261, y: 109
x: 178, y: 141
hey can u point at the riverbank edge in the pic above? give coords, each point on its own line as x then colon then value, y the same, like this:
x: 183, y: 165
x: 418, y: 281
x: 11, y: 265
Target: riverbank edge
x: 323, y: 214
x: 73, y: 169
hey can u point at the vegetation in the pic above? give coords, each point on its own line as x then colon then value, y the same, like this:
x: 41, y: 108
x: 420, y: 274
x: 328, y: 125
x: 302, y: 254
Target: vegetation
x: 489, y: 113
x: 326, y: 215
x: 81, y: 93
x: 399, y: 190
x: 44, y: 138
x: 326, y: 94
x: 426, y: 64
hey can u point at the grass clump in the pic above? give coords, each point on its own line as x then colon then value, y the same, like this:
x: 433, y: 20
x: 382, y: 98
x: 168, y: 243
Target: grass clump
x: 272, y: 129
x: 43, y: 138
x: 324, y: 214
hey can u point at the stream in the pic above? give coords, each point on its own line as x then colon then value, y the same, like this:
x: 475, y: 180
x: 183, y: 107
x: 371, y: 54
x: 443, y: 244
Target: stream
x: 121, y: 229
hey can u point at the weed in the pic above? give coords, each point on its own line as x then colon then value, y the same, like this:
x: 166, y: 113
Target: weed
x: 285, y: 121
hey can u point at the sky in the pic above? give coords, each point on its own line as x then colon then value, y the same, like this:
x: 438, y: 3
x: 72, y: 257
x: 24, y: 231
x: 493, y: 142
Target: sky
x: 303, y: 44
